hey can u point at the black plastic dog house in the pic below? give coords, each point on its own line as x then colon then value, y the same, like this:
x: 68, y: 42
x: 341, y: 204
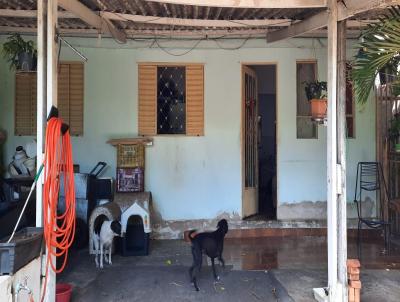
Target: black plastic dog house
x: 135, y: 241
x: 136, y: 230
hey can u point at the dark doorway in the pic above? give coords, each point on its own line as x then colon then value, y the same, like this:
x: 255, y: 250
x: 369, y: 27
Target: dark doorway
x: 266, y: 75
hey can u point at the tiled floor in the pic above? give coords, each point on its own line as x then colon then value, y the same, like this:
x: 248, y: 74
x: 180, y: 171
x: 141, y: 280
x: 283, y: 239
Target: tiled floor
x: 303, y: 252
x: 298, y: 264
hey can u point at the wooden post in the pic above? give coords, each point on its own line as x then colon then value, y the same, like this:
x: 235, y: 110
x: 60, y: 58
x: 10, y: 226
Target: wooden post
x: 341, y: 160
x: 52, y: 52
x: 332, y: 167
x: 41, y: 101
x: 52, y: 64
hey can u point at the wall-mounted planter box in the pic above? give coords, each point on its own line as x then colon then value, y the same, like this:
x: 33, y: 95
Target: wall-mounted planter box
x: 318, y: 109
x: 25, y: 246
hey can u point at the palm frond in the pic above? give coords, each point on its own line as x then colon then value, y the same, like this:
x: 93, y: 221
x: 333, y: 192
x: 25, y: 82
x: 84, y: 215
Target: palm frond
x: 380, y: 48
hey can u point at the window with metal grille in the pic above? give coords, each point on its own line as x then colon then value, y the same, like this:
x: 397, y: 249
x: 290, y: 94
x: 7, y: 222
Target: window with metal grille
x: 306, y: 71
x: 171, y: 100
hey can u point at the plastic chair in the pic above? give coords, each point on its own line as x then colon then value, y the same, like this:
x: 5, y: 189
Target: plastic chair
x: 370, y: 178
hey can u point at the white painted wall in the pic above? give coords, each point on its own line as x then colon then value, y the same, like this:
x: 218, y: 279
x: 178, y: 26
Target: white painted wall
x: 200, y: 177
x: 28, y: 275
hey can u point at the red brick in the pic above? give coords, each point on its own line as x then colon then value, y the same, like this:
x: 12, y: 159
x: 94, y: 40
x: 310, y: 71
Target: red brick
x: 351, y: 294
x: 354, y: 277
x: 355, y: 284
x: 353, y: 263
x: 353, y: 270
x: 357, y: 295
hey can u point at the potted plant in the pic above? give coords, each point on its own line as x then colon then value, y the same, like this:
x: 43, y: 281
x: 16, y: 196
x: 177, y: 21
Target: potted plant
x: 19, y: 53
x: 316, y: 93
x: 394, y: 132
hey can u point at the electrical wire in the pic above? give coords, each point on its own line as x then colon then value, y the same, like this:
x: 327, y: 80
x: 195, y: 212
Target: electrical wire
x: 232, y: 48
x: 174, y: 54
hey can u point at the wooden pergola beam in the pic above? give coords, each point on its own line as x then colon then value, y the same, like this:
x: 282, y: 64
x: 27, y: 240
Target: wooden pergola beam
x: 200, y: 33
x: 315, y: 22
x: 319, y: 20
x: 91, y: 18
x: 175, y: 21
x: 250, y: 3
x: 195, y: 22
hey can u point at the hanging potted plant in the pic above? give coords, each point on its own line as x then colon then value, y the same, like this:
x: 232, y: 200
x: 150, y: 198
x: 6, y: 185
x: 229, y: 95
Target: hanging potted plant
x: 19, y: 53
x: 316, y: 93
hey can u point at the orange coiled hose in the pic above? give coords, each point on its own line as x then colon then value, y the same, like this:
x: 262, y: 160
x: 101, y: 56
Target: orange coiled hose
x: 59, y: 230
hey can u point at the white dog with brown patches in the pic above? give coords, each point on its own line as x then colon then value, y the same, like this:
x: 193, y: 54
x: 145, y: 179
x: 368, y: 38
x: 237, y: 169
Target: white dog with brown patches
x: 103, y: 236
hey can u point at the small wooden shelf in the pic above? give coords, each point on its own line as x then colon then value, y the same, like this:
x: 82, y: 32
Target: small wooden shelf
x: 147, y: 141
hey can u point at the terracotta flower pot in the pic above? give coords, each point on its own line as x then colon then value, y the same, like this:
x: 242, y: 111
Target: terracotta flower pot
x: 318, y: 108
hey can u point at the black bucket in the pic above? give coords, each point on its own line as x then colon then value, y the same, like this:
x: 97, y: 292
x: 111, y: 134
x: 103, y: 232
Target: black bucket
x: 26, y: 61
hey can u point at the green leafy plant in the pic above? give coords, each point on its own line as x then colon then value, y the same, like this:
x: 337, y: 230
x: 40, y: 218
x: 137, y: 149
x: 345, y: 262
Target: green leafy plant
x: 379, y: 51
x: 15, y: 46
x: 316, y: 90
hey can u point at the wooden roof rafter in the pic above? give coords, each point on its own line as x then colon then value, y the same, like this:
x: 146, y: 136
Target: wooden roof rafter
x: 114, y: 17
x: 164, y: 33
x: 249, y: 3
x: 175, y: 21
x: 317, y: 21
x: 91, y: 18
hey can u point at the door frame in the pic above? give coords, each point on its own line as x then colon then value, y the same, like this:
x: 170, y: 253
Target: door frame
x: 242, y: 130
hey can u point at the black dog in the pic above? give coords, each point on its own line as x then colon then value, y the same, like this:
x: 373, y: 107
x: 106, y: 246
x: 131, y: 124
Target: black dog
x: 212, y: 244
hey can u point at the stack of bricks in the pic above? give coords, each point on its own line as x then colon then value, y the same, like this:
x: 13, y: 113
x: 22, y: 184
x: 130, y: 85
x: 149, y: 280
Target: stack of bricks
x: 354, y: 283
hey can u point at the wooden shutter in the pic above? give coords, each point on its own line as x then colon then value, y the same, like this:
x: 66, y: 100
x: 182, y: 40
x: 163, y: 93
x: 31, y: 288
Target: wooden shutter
x: 76, y: 91
x: 63, y: 92
x: 33, y: 76
x: 25, y: 120
x: 70, y: 99
x: 147, y: 99
x: 195, y: 100
x: 70, y: 95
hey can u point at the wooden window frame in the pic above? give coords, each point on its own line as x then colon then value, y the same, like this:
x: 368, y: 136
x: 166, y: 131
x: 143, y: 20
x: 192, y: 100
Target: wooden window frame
x: 306, y: 61
x: 187, y: 118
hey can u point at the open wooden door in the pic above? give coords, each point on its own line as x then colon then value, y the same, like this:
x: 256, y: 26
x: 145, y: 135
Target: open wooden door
x: 249, y: 142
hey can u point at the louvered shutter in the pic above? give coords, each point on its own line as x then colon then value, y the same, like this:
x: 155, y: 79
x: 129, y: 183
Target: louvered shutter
x: 70, y: 95
x: 147, y: 99
x: 195, y: 100
x: 24, y: 124
x: 76, y: 94
x: 63, y: 92
x: 33, y: 77
x: 69, y: 103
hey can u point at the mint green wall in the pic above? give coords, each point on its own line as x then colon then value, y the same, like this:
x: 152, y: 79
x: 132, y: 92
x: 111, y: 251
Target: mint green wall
x: 200, y: 177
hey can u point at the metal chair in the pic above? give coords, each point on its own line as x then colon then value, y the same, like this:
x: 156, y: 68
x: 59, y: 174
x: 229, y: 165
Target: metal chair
x: 370, y: 178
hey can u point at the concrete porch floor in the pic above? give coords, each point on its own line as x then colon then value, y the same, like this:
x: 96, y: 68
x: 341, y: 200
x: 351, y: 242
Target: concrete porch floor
x: 258, y: 269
